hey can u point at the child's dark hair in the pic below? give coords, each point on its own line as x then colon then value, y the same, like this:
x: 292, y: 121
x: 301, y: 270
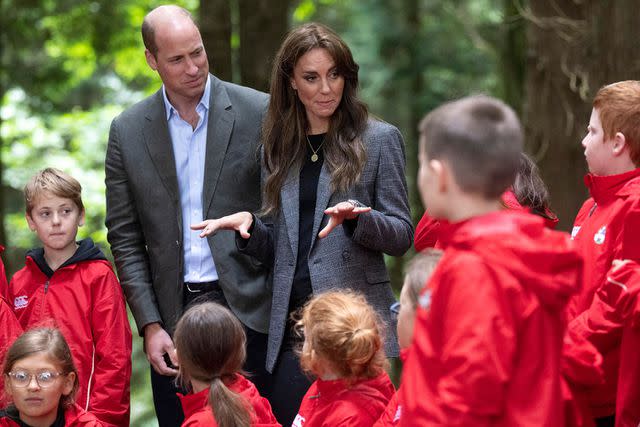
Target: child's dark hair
x: 343, y: 329
x: 51, y: 342
x: 480, y: 138
x: 530, y: 190
x: 210, y: 342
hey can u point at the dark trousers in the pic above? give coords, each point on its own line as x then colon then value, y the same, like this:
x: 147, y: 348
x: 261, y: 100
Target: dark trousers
x: 609, y: 421
x: 289, y: 384
x: 167, y: 406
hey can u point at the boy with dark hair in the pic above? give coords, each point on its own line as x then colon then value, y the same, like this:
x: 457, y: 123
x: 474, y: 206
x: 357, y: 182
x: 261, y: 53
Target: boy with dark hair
x: 490, y: 325
x: 71, y: 285
x: 606, y: 229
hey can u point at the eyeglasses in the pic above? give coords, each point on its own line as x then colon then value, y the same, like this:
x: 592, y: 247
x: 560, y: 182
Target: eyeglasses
x: 395, y: 308
x: 44, y: 379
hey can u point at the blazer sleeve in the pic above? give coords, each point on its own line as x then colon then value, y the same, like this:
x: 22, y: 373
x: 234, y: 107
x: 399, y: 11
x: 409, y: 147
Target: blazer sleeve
x: 387, y: 227
x: 260, y: 243
x: 125, y: 236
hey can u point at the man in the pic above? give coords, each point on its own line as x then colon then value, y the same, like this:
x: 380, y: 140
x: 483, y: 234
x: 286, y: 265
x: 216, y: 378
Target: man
x: 184, y: 154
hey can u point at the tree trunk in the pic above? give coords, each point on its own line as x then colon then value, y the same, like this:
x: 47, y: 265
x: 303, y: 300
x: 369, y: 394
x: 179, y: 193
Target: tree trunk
x: 215, y: 27
x: 574, y: 48
x: 263, y: 24
x: 512, y: 56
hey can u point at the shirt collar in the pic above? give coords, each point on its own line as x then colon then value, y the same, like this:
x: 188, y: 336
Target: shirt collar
x: 204, y: 101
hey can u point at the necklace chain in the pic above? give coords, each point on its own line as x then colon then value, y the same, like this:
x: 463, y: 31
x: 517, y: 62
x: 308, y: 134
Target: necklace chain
x: 314, y: 156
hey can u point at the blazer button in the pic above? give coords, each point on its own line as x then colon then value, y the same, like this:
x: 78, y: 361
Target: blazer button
x: 346, y: 255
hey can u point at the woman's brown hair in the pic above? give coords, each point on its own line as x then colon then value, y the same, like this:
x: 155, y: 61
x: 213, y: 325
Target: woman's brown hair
x: 285, y: 127
x: 341, y: 328
x: 210, y: 342
x: 51, y: 342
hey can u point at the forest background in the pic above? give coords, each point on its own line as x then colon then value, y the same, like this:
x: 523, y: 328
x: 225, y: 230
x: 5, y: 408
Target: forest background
x: 67, y: 67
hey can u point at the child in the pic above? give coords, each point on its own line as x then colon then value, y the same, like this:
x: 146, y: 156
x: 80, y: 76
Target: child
x: 606, y: 226
x: 419, y: 270
x: 210, y: 344
x: 41, y: 380
x: 71, y: 285
x: 343, y: 349
x: 528, y: 193
x: 490, y: 325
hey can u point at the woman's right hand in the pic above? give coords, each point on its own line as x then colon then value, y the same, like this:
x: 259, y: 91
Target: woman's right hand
x: 239, y: 221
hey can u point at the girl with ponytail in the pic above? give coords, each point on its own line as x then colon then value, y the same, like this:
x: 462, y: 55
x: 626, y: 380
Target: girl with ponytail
x: 343, y: 350
x: 210, y: 345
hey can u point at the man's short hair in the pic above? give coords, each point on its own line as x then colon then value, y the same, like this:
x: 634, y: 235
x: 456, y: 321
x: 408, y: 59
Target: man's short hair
x: 52, y: 182
x: 618, y: 106
x: 480, y: 138
x: 149, y: 32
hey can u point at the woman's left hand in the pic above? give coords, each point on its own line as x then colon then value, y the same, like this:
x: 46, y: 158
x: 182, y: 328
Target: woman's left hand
x: 340, y: 212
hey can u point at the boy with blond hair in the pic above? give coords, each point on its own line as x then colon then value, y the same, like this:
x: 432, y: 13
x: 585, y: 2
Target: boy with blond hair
x: 72, y: 286
x: 606, y: 229
x: 489, y: 329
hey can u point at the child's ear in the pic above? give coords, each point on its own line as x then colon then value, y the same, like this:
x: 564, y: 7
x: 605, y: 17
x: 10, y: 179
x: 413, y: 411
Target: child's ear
x: 67, y: 385
x: 32, y: 224
x: 7, y: 387
x: 619, y: 143
x: 440, y: 173
x: 81, y: 218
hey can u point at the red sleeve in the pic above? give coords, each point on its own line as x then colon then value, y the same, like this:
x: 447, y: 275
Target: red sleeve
x: 462, y: 352
x: 109, y: 399
x: 10, y: 329
x: 4, y: 286
x: 615, y: 304
x: 427, y: 233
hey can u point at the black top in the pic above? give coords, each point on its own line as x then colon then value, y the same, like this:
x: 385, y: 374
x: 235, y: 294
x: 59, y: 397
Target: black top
x: 309, y: 176
x: 12, y: 413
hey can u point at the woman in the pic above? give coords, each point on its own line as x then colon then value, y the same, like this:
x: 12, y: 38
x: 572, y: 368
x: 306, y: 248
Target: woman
x: 334, y: 202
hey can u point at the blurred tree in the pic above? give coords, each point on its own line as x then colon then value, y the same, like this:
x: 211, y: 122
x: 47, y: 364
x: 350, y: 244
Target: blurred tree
x: 242, y: 37
x: 574, y: 48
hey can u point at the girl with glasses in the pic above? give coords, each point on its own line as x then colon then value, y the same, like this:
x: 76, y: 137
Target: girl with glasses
x: 40, y: 382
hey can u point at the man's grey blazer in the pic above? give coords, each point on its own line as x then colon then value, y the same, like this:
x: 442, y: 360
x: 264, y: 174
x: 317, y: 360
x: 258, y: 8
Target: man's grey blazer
x: 144, y: 218
x: 346, y: 258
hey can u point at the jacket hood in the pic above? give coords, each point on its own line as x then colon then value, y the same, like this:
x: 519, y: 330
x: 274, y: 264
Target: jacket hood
x: 87, y: 251
x: 542, y: 260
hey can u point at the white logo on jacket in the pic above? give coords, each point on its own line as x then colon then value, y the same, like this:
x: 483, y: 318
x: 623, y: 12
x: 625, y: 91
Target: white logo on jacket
x: 424, y: 300
x: 20, y: 302
x: 574, y: 231
x: 298, y: 421
x: 600, y: 235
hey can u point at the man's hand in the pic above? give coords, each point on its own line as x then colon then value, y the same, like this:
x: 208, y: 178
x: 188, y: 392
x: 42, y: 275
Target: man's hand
x: 157, y: 342
x: 240, y: 221
x: 340, y: 212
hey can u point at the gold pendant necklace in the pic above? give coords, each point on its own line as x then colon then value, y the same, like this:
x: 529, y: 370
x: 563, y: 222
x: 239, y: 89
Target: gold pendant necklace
x: 314, y: 156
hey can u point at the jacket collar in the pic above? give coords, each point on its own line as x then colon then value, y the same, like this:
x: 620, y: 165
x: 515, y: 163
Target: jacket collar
x: 603, y: 188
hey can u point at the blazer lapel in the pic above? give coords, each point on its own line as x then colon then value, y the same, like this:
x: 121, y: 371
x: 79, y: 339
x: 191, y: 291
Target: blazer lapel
x: 220, y: 125
x: 322, y: 200
x: 158, y: 141
x: 289, y: 198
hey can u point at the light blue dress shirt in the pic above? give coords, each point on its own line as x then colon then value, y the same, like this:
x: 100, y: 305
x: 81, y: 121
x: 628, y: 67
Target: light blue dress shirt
x: 189, y: 150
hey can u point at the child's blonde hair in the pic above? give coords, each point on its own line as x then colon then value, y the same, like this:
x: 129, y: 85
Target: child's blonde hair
x: 51, y: 342
x: 344, y: 330
x: 55, y: 182
x: 210, y: 342
x: 418, y: 271
x: 618, y: 106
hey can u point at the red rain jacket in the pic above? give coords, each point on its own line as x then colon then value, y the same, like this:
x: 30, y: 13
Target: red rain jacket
x: 10, y: 329
x: 605, y: 229
x: 489, y: 328
x: 335, y: 403
x: 74, y: 416
x: 197, y: 411
x: 84, y: 299
x: 429, y: 230
x: 393, y: 411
